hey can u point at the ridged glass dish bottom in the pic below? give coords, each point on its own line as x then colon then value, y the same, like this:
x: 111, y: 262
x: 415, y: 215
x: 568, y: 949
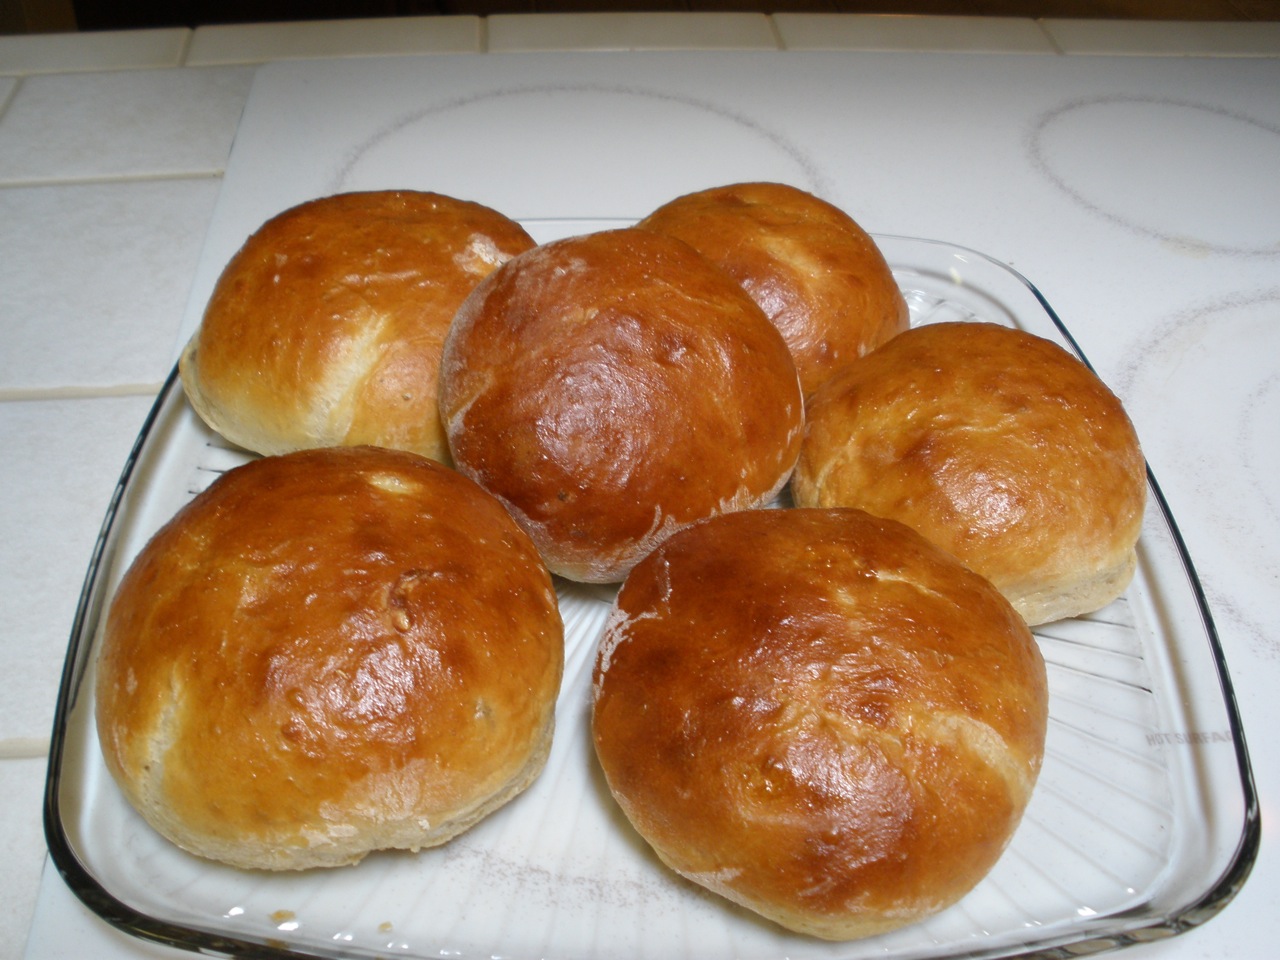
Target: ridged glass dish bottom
x: 1144, y: 821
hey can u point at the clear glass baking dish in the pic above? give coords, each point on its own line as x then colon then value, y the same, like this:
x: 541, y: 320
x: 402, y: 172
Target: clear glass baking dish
x: 1144, y: 823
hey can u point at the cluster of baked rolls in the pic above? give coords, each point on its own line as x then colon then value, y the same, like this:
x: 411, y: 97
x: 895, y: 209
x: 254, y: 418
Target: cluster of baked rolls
x: 832, y: 714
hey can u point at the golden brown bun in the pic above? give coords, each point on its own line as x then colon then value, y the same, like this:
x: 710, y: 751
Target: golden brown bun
x: 818, y: 275
x: 997, y: 445
x: 325, y: 328
x: 819, y: 715
x: 613, y: 388
x: 328, y: 653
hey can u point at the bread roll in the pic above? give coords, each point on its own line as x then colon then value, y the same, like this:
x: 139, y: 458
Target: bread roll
x: 817, y: 274
x: 997, y: 445
x: 325, y: 328
x: 613, y: 388
x: 820, y: 716
x: 328, y: 653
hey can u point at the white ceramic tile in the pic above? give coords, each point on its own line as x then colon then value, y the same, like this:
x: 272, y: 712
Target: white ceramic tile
x: 65, y: 929
x: 94, y: 280
x: 62, y: 460
x: 122, y: 124
x: 1170, y: 38
x: 92, y: 50
x: 22, y: 848
x: 258, y: 43
x: 840, y: 31
x: 630, y: 31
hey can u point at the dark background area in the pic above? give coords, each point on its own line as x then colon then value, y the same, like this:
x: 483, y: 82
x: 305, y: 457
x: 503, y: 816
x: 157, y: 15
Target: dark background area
x: 17, y: 16
x: 98, y: 14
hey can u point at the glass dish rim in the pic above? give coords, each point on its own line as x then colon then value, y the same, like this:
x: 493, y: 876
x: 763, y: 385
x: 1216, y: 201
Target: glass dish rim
x: 104, y: 904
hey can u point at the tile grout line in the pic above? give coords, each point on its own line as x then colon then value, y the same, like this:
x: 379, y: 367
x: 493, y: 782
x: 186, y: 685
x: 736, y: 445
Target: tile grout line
x: 30, y: 394
x: 1048, y: 35
x: 185, y: 53
x: 777, y: 33
x: 24, y: 748
x: 4, y: 105
x: 107, y: 179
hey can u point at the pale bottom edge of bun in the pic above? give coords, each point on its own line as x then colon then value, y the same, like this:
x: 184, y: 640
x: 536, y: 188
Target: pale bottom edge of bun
x: 207, y: 411
x: 241, y: 432
x: 588, y: 565
x: 842, y: 927
x: 345, y: 845
x: 1077, y: 598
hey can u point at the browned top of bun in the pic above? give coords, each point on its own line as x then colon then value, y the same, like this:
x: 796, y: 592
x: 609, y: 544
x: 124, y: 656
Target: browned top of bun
x: 613, y: 387
x: 327, y: 653
x: 818, y: 275
x: 325, y: 328
x: 997, y: 445
x: 819, y: 715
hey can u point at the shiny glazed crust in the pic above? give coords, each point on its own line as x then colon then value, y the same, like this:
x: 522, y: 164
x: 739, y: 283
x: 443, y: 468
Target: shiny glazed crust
x: 820, y: 716
x: 329, y: 653
x: 613, y: 388
x: 325, y: 328
x: 816, y: 274
x: 995, y: 444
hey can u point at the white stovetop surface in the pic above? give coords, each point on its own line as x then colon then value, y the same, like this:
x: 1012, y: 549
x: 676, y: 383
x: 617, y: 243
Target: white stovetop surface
x: 1140, y: 194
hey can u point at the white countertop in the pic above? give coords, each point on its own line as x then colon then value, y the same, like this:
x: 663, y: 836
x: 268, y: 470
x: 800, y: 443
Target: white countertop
x: 1131, y: 173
